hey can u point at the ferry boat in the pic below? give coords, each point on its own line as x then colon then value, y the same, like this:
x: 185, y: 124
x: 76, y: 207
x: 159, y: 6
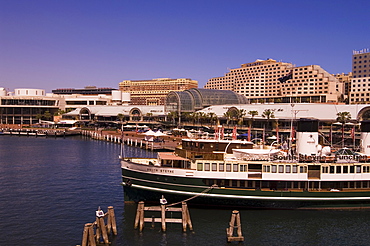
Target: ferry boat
x: 232, y: 173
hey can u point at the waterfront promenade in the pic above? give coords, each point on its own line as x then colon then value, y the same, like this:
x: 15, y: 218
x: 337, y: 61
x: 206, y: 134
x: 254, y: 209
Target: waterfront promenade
x: 132, y: 138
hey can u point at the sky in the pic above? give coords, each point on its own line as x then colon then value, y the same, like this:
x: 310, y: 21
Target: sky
x: 50, y: 44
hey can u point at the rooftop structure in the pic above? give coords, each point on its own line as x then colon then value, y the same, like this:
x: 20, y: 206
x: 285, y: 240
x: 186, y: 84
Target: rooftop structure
x: 88, y: 90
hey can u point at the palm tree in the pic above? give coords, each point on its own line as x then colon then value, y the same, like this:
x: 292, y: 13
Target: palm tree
x: 172, y: 116
x: 202, y: 117
x: 186, y: 116
x: 252, y: 113
x: 240, y: 114
x: 120, y: 117
x: 228, y: 115
x: 269, y: 114
x: 343, y: 118
x: 212, y: 118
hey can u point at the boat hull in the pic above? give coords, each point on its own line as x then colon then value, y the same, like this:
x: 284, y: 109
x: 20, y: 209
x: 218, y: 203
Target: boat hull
x: 149, y: 187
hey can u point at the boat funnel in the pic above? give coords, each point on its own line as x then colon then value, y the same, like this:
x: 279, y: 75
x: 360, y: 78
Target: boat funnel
x: 365, y: 137
x: 308, y: 137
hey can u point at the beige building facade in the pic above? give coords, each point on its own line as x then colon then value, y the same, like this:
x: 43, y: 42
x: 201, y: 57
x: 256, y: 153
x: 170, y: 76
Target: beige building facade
x: 360, y: 86
x: 154, y: 92
x: 275, y: 81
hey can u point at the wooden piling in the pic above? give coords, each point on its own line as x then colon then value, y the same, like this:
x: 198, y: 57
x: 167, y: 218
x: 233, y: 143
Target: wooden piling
x: 112, y: 226
x: 163, y: 217
x: 235, y: 218
x: 88, y: 235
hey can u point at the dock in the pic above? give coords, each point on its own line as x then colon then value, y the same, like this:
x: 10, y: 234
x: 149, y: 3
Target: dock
x: 134, y: 139
x: 39, y: 132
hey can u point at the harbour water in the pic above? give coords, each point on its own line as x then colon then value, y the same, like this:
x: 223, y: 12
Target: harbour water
x: 51, y: 187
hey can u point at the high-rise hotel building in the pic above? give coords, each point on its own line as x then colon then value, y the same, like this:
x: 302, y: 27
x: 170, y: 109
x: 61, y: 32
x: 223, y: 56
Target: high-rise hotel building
x: 154, y: 92
x: 360, y: 86
x: 274, y: 81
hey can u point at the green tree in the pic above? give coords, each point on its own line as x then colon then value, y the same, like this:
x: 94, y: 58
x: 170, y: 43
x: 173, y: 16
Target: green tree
x: 47, y: 115
x: 228, y: 115
x: 240, y: 114
x: 213, y: 119
x: 268, y: 114
x: 172, y: 116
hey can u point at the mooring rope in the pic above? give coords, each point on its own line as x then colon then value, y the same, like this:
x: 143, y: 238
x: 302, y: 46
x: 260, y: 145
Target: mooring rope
x: 206, y: 190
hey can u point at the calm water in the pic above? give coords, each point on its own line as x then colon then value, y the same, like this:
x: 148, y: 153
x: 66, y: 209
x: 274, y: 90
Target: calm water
x: 51, y: 187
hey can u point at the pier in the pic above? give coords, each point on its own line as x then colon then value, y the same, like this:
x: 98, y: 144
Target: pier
x: 134, y: 139
x: 39, y: 132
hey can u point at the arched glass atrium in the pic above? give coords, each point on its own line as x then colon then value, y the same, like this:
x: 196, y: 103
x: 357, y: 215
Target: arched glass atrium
x: 196, y: 99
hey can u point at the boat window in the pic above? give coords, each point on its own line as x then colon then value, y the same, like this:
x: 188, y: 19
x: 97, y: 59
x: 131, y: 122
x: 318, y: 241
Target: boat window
x: 295, y: 168
x: 266, y: 169
x: 242, y: 183
x: 365, y: 184
x: 345, y: 169
x: 325, y: 169
x: 214, y: 167
x: 235, y: 167
x: 228, y: 167
x: 281, y: 168
x: 358, y: 169
x: 332, y: 169
x: 352, y: 169
x: 206, y: 167
x: 287, y: 168
x: 200, y: 166
x: 221, y: 167
x: 273, y: 168
x: 339, y: 169
x: 303, y: 169
x: 234, y: 183
x: 366, y: 169
x: 243, y: 168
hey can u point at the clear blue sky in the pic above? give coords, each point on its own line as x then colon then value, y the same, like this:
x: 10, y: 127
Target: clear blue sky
x: 51, y: 44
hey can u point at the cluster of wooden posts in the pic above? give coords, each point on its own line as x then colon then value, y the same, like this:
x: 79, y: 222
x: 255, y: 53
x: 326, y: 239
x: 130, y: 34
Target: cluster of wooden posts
x: 185, y: 218
x: 235, y: 224
x: 140, y: 219
x: 97, y: 232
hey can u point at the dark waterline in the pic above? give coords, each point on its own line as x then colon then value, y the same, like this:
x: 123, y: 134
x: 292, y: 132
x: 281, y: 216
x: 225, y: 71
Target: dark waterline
x: 51, y: 187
